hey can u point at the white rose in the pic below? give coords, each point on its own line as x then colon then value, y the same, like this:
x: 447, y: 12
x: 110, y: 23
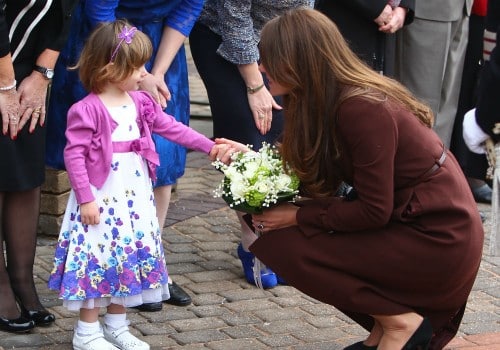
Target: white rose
x: 238, y: 190
x: 283, y: 182
x: 263, y: 186
x: 250, y: 169
x: 231, y: 173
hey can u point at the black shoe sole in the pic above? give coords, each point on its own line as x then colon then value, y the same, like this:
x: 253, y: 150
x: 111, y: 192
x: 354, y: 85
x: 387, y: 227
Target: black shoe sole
x: 149, y: 307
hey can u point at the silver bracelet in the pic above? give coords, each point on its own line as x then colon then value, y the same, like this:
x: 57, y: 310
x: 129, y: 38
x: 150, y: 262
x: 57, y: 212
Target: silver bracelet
x: 10, y: 87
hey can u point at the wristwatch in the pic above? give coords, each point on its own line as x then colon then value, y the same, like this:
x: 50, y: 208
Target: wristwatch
x: 46, y: 72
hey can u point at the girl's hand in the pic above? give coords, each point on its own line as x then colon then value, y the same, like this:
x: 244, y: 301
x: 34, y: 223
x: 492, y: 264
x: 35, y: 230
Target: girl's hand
x: 155, y: 85
x: 32, y: 95
x: 279, y: 216
x: 9, y: 109
x: 224, y: 149
x: 262, y: 104
x: 89, y: 213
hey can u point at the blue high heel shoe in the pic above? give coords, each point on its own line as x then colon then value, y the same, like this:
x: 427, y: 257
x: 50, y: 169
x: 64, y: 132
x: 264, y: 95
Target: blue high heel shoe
x: 267, y: 276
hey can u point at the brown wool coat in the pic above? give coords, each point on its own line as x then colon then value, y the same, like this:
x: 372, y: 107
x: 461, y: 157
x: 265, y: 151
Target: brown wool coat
x: 411, y: 241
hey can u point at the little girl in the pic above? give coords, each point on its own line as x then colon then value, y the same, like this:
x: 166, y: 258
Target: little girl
x: 109, y: 252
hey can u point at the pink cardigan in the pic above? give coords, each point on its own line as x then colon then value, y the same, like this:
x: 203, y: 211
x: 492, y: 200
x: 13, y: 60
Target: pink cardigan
x: 89, y: 149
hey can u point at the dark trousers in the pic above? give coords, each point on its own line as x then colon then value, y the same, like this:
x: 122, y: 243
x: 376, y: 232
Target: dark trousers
x: 474, y: 165
x: 226, y: 89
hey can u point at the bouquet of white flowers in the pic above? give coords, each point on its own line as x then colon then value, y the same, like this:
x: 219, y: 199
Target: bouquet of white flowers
x: 256, y: 180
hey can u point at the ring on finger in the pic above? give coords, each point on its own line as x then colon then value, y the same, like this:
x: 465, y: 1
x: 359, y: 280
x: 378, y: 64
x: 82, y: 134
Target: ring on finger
x: 37, y: 110
x: 13, y: 119
x: 260, y: 226
x: 261, y: 116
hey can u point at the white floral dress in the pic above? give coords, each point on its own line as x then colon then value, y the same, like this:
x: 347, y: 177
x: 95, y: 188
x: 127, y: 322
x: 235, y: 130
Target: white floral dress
x: 120, y: 260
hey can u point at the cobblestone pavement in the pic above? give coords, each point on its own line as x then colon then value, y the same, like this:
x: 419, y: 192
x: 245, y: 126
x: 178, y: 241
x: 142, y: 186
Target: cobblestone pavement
x: 228, y: 313
x: 200, y: 241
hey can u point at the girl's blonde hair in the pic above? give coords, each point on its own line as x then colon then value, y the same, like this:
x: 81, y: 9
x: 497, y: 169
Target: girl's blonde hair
x: 96, y: 65
x: 304, y: 52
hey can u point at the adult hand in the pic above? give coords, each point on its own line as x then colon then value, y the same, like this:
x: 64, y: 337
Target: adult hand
x: 155, y: 85
x: 396, y: 22
x: 32, y: 96
x: 277, y: 217
x: 385, y: 17
x: 89, y: 213
x: 262, y: 104
x: 9, y: 109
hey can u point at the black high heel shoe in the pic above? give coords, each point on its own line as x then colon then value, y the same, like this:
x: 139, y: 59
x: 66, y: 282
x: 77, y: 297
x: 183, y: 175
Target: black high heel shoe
x: 421, y: 338
x: 18, y: 325
x: 39, y: 317
x: 360, y: 346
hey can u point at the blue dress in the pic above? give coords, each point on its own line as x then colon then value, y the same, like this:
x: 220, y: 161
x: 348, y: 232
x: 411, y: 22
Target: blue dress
x: 151, y: 17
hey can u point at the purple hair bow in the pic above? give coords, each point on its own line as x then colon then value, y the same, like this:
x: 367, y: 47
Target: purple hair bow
x: 126, y: 35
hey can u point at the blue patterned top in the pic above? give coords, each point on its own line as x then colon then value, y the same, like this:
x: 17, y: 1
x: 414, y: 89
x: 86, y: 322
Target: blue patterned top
x: 239, y: 23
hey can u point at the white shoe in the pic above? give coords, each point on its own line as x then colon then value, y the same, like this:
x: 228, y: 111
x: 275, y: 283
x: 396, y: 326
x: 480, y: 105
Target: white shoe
x: 124, y: 340
x: 94, y: 341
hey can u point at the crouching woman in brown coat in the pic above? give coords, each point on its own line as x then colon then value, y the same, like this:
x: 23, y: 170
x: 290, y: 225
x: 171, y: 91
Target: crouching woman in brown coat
x: 399, y: 257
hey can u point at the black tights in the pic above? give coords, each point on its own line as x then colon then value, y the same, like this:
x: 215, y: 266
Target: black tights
x: 19, y: 213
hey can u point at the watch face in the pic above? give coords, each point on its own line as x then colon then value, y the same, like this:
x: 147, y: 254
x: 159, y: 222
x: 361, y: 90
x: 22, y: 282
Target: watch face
x: 49, y: 73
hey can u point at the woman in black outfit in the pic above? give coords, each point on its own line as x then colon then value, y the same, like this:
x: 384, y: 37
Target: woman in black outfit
x: 369, y: 26
x: 31, y: 35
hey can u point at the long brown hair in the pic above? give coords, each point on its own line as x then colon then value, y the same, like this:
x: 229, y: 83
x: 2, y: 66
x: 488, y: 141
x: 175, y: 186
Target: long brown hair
x: 303, y: 51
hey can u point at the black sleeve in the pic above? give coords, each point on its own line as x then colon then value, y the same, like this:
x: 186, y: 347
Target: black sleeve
x: 410, y: 6
x: 4, y: 31
x: 488, y: 103
x: 369, y: 9
x: 56, y: 25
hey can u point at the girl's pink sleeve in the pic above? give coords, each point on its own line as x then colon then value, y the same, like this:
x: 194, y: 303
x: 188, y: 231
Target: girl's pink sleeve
x: 79, y: 135
x: 166, y: 126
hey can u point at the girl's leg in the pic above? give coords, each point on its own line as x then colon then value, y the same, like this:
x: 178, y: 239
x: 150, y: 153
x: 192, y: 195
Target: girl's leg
x: 89, y: 315
x: 116, y: 330
x: 88, y: 334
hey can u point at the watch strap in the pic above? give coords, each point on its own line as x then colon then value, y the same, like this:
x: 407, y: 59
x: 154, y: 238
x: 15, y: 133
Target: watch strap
x: 48, y: 73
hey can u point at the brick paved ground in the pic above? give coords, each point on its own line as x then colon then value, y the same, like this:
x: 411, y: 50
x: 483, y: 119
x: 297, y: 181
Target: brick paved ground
x: 227, y: 313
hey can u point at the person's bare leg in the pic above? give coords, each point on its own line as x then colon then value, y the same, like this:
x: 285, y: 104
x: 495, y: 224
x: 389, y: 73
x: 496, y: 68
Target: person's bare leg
x: 89, y: 315
x: 178, y: 296
x: 248, y: 236
x: 397, y: 329
x: 162, y: 199
x: 115, y: 309
x: 375, y: 335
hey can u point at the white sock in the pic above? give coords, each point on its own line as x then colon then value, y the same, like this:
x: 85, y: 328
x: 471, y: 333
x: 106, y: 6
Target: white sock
x: 87, y: 328
x: 115, y: 321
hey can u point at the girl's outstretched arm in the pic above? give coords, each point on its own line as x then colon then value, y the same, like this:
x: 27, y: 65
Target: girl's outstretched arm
x: 224, y: 149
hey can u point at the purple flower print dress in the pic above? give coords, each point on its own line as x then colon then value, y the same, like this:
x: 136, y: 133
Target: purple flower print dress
x: 121, y: 259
